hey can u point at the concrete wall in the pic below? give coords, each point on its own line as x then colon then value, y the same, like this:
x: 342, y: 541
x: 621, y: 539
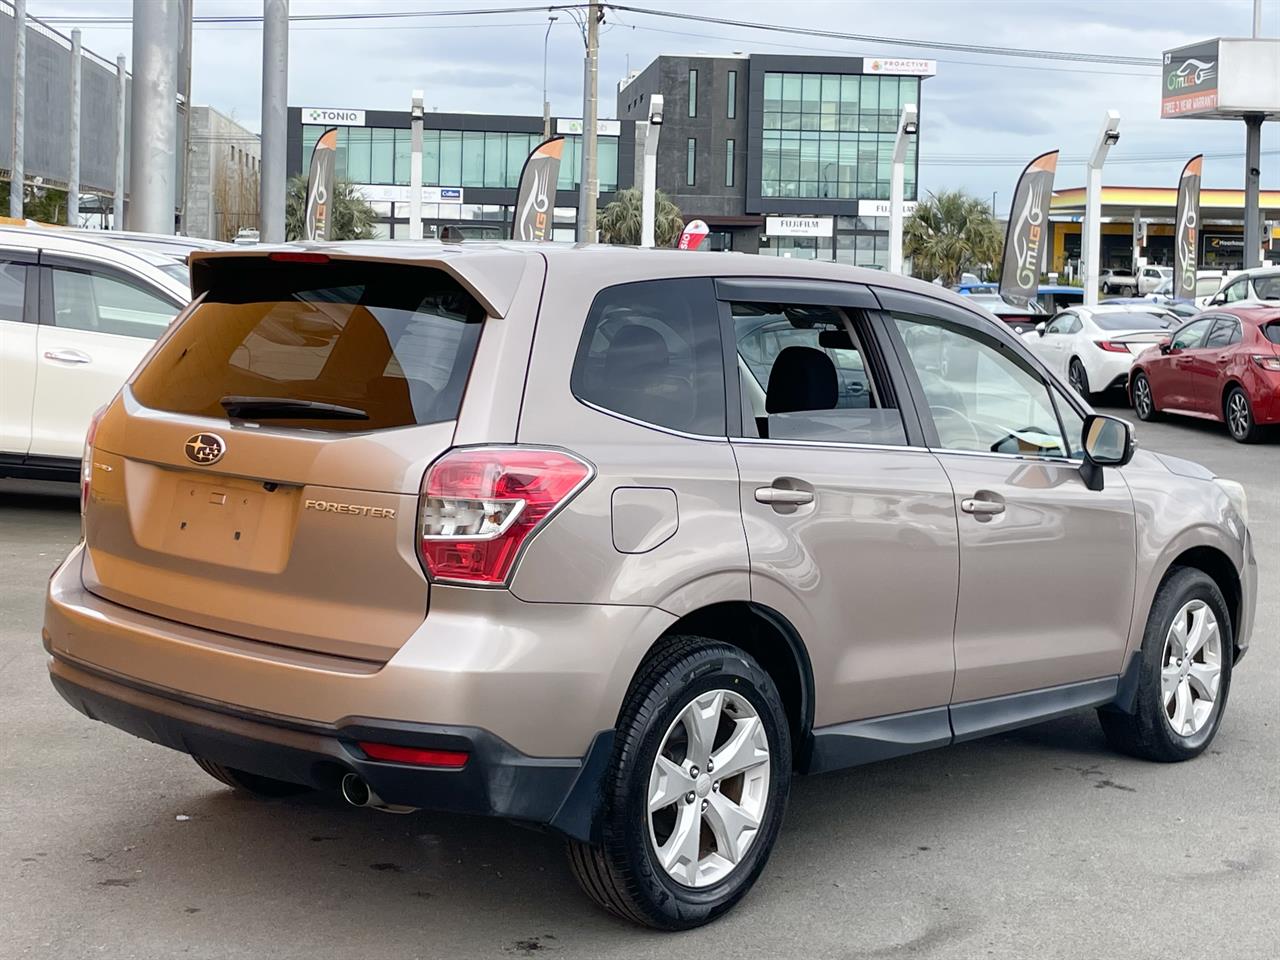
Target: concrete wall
x: 225, y: 154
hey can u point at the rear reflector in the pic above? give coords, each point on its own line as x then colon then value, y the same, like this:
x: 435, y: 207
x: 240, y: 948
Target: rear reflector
x: 480, y: 505
x: 450, y: 759
x: 283, y: 256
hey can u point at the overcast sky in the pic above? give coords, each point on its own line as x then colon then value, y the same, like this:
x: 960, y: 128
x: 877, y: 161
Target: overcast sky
x: 977, y: 106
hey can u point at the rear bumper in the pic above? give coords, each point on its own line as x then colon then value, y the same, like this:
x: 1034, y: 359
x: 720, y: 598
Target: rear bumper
x: 497, y: 780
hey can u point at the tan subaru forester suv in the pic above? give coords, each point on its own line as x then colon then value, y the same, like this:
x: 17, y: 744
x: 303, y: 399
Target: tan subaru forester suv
x: 617, y: 542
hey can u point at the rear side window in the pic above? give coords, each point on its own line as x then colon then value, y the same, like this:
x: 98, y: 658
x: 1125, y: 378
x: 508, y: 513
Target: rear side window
x: 100, y: 302
x: 13, y: 278
x: 651, y: 351
x: 1272, y: 332
x: 346, y: 346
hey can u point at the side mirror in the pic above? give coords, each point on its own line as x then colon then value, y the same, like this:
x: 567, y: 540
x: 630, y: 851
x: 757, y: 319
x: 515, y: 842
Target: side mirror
x: 1040, y: 328
x: 1166, y: 345
x: 1107, y: 442
x: 1217, y: 300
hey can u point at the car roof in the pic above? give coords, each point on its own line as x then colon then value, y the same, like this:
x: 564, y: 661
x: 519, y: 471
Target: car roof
x: 491, y: 269
x: 1254, y: 313
x: 69, y: 241
x: 1061, y: 288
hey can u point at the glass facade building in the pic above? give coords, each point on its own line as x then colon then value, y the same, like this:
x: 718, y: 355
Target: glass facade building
x: 830, y: 136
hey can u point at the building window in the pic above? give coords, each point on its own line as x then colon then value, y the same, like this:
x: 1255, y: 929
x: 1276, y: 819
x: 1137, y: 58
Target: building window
x: 728, y: 163
x: 831, y: 135
x: 693, y: 94
x: 690, y: 163
x: 732, y: 108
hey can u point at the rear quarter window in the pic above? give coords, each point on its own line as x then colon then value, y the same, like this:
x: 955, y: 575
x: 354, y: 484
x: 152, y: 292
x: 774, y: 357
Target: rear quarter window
x: 651, y: 351
x: 1272, y: 331
x: 392, y: 345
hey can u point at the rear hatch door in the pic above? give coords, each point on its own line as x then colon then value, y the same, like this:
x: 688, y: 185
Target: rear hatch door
x: 259, y: 475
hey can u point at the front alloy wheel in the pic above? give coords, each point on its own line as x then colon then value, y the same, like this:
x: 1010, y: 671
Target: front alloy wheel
x: 1192, y: 671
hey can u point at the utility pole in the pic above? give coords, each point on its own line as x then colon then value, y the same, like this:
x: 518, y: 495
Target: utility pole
x: 153, y: 154
x: 590, y: 102
x: 73, y: 175
x: 1091, y: 239
x: 275, y: 108
x: 17, y: 177
x: 907, y: 129
x: 117, y: 208
x: 415, y: 167
x: 188, y: 13
x: 546, y: 104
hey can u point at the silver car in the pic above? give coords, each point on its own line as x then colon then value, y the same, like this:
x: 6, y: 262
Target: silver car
x: 618, y: 542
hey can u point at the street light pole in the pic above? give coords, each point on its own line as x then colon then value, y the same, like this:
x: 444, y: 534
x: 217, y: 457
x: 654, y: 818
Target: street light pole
x: 415, y: 168
x: 649, y: 185
x: 1091, y: 254
x: 275, y: 108
x: 153, y: 152
x: 907, y: 128
x: 17, y: 176
x: 590, y: 102
x: 73, y: 174
x: 546, y: 104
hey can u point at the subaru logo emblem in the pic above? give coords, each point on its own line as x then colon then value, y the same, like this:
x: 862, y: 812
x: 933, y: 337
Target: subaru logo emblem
x: 205, y: 448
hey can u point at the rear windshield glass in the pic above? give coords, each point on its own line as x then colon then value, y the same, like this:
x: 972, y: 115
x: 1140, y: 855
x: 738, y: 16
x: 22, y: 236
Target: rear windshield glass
x: 1133, y: 320
x: 345, y: 346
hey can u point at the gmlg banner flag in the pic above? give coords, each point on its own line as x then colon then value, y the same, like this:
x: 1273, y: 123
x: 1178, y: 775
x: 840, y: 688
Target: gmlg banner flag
x: 1184, y: 244
x: 320, y: 185
x: 1025, y: 237
x: 536, y: 196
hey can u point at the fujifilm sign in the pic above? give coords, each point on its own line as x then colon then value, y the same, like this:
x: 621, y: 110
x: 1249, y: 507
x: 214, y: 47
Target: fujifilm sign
x: 333, y: 116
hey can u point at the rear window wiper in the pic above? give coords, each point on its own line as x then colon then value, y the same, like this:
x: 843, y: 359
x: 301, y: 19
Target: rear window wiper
x: 282, y: 408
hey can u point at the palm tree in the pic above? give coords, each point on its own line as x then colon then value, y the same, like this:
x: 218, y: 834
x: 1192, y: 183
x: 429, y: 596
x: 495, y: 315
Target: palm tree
x: 620, y: 220
x: 950, y: 233
x: 352, y: 217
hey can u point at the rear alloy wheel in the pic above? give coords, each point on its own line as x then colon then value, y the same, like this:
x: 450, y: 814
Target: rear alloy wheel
x: 1078, y: 378
x: 1144, y: 401
x: 693, y: 800
x: 1126, y: 291
x: 1238, y: 413
x: 253, y: 783
x: 1184, y: 676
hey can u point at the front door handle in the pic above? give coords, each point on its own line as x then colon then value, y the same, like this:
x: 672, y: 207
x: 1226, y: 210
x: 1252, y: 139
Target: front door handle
x: 782, y: 495
x: 981, y: 508
x: 68, y: 356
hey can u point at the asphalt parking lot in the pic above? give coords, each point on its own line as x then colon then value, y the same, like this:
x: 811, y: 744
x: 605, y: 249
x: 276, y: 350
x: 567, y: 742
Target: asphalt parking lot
x: 1039, y: 843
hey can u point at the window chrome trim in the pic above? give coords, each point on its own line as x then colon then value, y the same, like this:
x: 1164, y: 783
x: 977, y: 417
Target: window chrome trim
x: 650, y: 426
x: 840, y: 444
x: 1025, y: 458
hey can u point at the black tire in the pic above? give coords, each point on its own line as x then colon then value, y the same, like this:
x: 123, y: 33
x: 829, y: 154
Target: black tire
x: 1126, y: 291
x: 1147, y: 733
x: 1237, y: 413
x: 621, y: 873
x: 252, y: 783
x: 1078, y: 377
x: 1146, y: 410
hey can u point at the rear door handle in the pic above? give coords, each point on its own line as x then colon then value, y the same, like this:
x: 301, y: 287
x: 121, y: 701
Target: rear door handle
x: 68, y: 356
x: 981, y: 508
x: 783, y: 495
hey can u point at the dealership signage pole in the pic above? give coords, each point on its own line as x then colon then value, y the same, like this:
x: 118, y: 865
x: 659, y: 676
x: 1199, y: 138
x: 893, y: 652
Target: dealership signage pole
x: 590, y: 102
x: 275, y: 101
x: 536, y: 194
x: 1186, y: 243
x: 153, y: 152
x: 546, y: 104
x: 122, y: 88
x: 1025, y: 237
x: 415, y: 167
x: 1091, y: 254
x: 649, y: 185
x: 897, y: 183
x: 73, y: 174
x: 319, y: 212
x: 17, y: 174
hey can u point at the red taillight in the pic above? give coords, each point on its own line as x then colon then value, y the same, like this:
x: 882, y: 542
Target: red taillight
x: 452, y: 759
x: 291, y: 256
x: 1267, y: 363
x: 86, y: 457
x: 480, y: 505
x: 1112, y: 346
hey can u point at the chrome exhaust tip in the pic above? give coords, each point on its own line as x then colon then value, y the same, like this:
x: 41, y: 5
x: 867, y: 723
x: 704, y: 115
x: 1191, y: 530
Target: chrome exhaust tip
x: 359, y: 794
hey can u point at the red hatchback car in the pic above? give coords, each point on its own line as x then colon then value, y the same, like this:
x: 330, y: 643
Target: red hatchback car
x: 1218, y: 366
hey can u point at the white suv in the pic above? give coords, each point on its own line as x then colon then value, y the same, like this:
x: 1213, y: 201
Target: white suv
x: 76, y: 316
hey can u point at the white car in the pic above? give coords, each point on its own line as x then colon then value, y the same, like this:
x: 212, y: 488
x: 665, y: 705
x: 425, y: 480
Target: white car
x: 76, y: 317
x: 1210, y: 282
x: 1151, y: 277
x: 1261, y: 284
x: 1093, y: 347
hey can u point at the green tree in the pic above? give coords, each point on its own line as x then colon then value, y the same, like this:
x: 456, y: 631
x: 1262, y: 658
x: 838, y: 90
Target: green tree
x: 950, y: 233
x: 619, y: 222
x: 351, y: 216
x: 44, y: 204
